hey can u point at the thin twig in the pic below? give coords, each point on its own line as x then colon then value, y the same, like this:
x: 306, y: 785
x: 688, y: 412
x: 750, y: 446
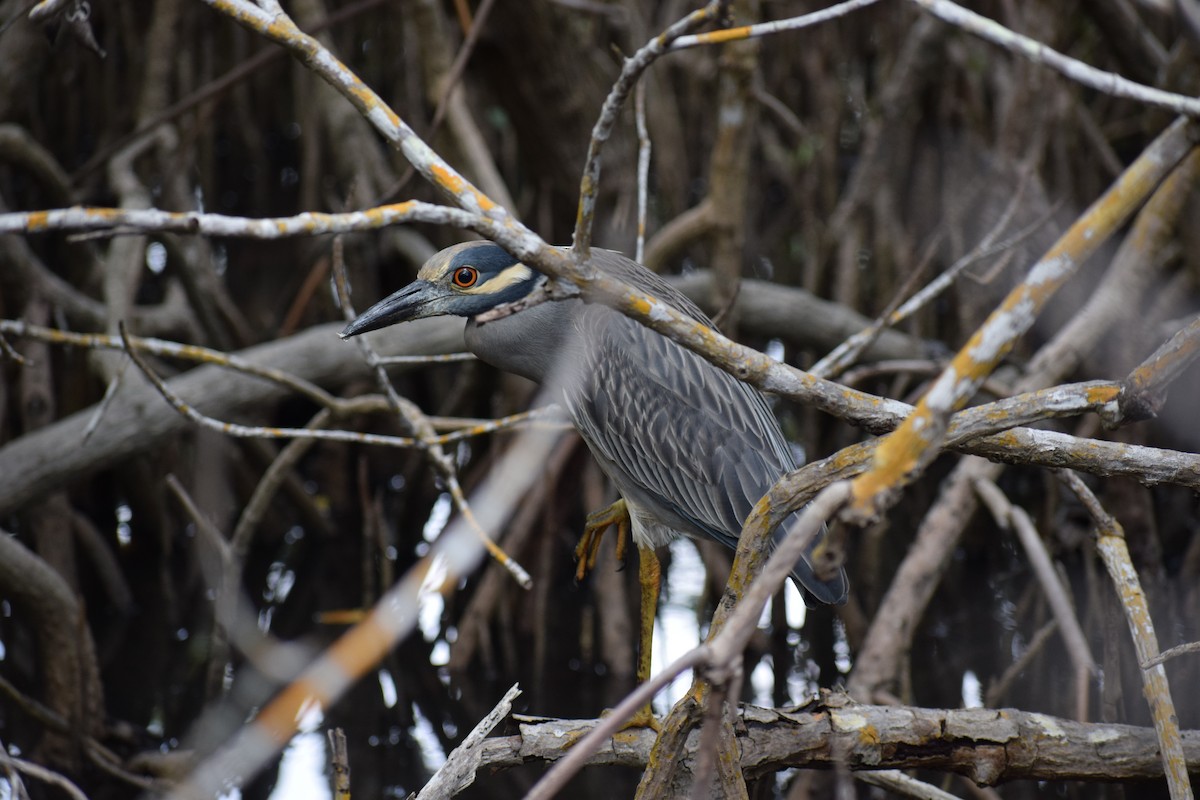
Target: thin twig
x: 768, y: 28
x: 1173, y: 652
x: 168, y: 349
x: 97, y: 753
x: 643, y: 168
x: 260, y: 498
x: 452, y: 77
x: 845, y: 353
x: 110, y: 391
x: 8, y: 352
x: 255, y: 431
x: 442, y: 358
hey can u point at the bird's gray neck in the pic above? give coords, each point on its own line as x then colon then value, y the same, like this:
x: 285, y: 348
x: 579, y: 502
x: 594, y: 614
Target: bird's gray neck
x: 528, y: 343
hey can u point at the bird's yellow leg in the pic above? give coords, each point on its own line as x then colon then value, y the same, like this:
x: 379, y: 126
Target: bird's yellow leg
x: 650, y: 578
x: 597, y: 523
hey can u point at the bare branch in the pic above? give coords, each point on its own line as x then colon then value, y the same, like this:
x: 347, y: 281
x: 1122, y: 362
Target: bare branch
x: 125, y: 221
x: 459, y: 770
x: 988, y: 746
x: 1035, y: 51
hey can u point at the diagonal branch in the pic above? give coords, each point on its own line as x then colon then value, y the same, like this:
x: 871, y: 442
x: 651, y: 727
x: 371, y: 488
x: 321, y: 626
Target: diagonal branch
x: 1035, y: 51
x: 905, y: 453
x: 1110, y: 543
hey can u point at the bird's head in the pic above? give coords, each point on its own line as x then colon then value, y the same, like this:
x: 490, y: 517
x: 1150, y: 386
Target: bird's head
x: 463, y: 280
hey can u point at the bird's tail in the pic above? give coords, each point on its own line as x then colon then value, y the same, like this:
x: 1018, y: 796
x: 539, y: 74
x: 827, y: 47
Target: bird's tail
x: 832, y: 591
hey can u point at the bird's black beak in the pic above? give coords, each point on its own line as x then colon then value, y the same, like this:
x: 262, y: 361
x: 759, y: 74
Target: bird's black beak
x: 418, y: 300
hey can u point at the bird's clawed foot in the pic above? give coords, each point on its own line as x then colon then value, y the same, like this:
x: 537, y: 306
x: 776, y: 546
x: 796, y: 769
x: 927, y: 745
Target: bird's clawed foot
x: 597, y: 523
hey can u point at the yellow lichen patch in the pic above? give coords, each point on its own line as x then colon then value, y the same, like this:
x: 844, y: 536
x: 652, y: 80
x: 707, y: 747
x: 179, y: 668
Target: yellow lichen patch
x: 195, y: 353
x: 726, y: 35
x: 851, y: 456
x: 855, y: 396
x: 998, y: 413
x: 868, y: 735
x: 1006, y: 439
x: 282, y: 30
x: 897, y: 456
x: 1098, y: 395
x: 37, y: 220
x: 396, y: 211
x: 447, y: 179
x: 865, y: 487
x: 713, y: 340
x: 484, y: 202
x: 370, y: 102
x: 640, y: 304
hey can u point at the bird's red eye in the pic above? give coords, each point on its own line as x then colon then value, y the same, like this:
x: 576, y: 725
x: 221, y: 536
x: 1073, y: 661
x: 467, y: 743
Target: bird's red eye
x: 465, y: 277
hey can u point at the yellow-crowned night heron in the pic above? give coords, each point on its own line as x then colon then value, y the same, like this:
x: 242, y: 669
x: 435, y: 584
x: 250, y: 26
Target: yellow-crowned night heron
x: 690, y: 448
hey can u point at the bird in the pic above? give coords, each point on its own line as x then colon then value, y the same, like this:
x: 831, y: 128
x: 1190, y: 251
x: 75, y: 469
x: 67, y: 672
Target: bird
x: 689, y: 448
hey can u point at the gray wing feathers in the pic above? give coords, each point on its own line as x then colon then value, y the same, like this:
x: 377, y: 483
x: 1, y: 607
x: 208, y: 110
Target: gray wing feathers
x: 700, y: 442
x: 675, y: 433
